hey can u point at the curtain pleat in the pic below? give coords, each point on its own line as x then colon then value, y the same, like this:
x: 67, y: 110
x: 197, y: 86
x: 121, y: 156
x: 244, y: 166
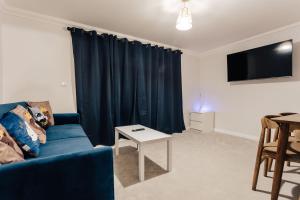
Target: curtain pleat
x: 121, y: 82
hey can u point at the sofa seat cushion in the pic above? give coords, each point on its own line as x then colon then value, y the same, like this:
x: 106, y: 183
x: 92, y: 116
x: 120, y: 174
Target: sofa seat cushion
x: 65, y: 146
x: 58, y: 132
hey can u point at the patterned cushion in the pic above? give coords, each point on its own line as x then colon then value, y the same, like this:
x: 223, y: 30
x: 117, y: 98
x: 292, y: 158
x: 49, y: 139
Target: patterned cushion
x: 26, y: 116
x: 45, y: 108
x: 9, y: 150
x: 39, y: 117
x: 20, y: 130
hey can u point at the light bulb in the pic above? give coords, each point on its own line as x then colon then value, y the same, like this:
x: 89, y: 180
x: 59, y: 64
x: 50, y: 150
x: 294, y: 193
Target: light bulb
x: 184, y: 20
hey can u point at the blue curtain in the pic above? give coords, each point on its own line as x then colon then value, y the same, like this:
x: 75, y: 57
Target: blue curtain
x: 121, y: 82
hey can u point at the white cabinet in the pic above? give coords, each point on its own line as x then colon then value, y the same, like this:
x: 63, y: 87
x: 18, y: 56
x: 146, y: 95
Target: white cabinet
x: 202, y: 121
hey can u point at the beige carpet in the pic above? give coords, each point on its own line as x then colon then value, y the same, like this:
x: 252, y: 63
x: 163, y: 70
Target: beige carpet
x: 208, y: 166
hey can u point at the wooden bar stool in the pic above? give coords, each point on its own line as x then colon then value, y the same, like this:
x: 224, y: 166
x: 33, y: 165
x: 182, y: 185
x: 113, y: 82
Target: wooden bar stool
x: 267, y: 149
x: 265, y: 137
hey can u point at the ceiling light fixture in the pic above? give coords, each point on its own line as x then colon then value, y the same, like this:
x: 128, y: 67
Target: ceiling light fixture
x: 184, y: 20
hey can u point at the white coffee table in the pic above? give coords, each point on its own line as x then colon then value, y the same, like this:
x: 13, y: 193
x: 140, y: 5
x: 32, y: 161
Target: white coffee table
x: 141, y: 138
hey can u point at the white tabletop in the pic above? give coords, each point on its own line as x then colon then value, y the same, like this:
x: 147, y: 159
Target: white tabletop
x: 145, y: 136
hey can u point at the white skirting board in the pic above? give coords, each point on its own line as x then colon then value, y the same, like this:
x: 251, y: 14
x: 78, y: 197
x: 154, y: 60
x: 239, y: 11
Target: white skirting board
x: 237, y: 134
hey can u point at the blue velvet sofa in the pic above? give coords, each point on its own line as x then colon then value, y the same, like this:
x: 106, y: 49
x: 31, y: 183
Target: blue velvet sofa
x: 68, y: 166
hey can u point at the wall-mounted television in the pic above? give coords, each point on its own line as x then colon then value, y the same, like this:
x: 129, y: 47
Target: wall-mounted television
x: 269, y: 61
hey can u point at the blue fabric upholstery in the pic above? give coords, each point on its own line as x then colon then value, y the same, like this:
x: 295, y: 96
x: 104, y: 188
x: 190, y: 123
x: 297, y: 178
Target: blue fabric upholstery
x: 66, y: 118
x: 68, y: 166
x: 4, y: 108
x: 58, y: 132
x: 86, y: 175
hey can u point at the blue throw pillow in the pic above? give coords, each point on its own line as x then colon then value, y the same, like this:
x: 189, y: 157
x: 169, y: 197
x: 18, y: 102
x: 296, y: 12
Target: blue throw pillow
x: 20, y: 130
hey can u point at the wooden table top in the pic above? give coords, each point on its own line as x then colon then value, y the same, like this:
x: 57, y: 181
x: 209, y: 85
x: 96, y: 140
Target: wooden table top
x: 288, y: 119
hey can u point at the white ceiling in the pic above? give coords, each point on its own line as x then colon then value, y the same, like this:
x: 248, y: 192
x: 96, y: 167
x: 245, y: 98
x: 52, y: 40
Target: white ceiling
x: 215, y: 22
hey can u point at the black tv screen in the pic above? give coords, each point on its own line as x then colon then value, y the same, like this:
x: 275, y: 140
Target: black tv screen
x: 273, y: 60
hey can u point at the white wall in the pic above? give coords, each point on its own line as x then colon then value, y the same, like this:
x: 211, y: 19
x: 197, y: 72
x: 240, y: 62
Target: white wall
x: 239, y: 106
x: 191, y: 89
x: 37, y: 57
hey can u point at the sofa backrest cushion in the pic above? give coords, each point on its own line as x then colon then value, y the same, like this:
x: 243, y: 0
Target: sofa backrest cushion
x: 4, y: 108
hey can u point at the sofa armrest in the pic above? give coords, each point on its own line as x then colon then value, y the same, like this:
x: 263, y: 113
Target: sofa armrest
x: 66, y: 118
x: 77, y: 176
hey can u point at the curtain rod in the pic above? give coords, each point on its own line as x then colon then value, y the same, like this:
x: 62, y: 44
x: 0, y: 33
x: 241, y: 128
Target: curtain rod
x: 72, y: 29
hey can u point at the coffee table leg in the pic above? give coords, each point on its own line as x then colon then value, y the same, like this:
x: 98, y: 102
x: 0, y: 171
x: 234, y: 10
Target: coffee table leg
x: 141, y: 163
x: 116, y: 142
x: 169, y: 156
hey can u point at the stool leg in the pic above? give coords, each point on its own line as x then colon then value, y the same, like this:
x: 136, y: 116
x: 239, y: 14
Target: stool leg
x: 268, y: 139
x: 270, y: 165
x: 266, y: 167
x: 258, y: 159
